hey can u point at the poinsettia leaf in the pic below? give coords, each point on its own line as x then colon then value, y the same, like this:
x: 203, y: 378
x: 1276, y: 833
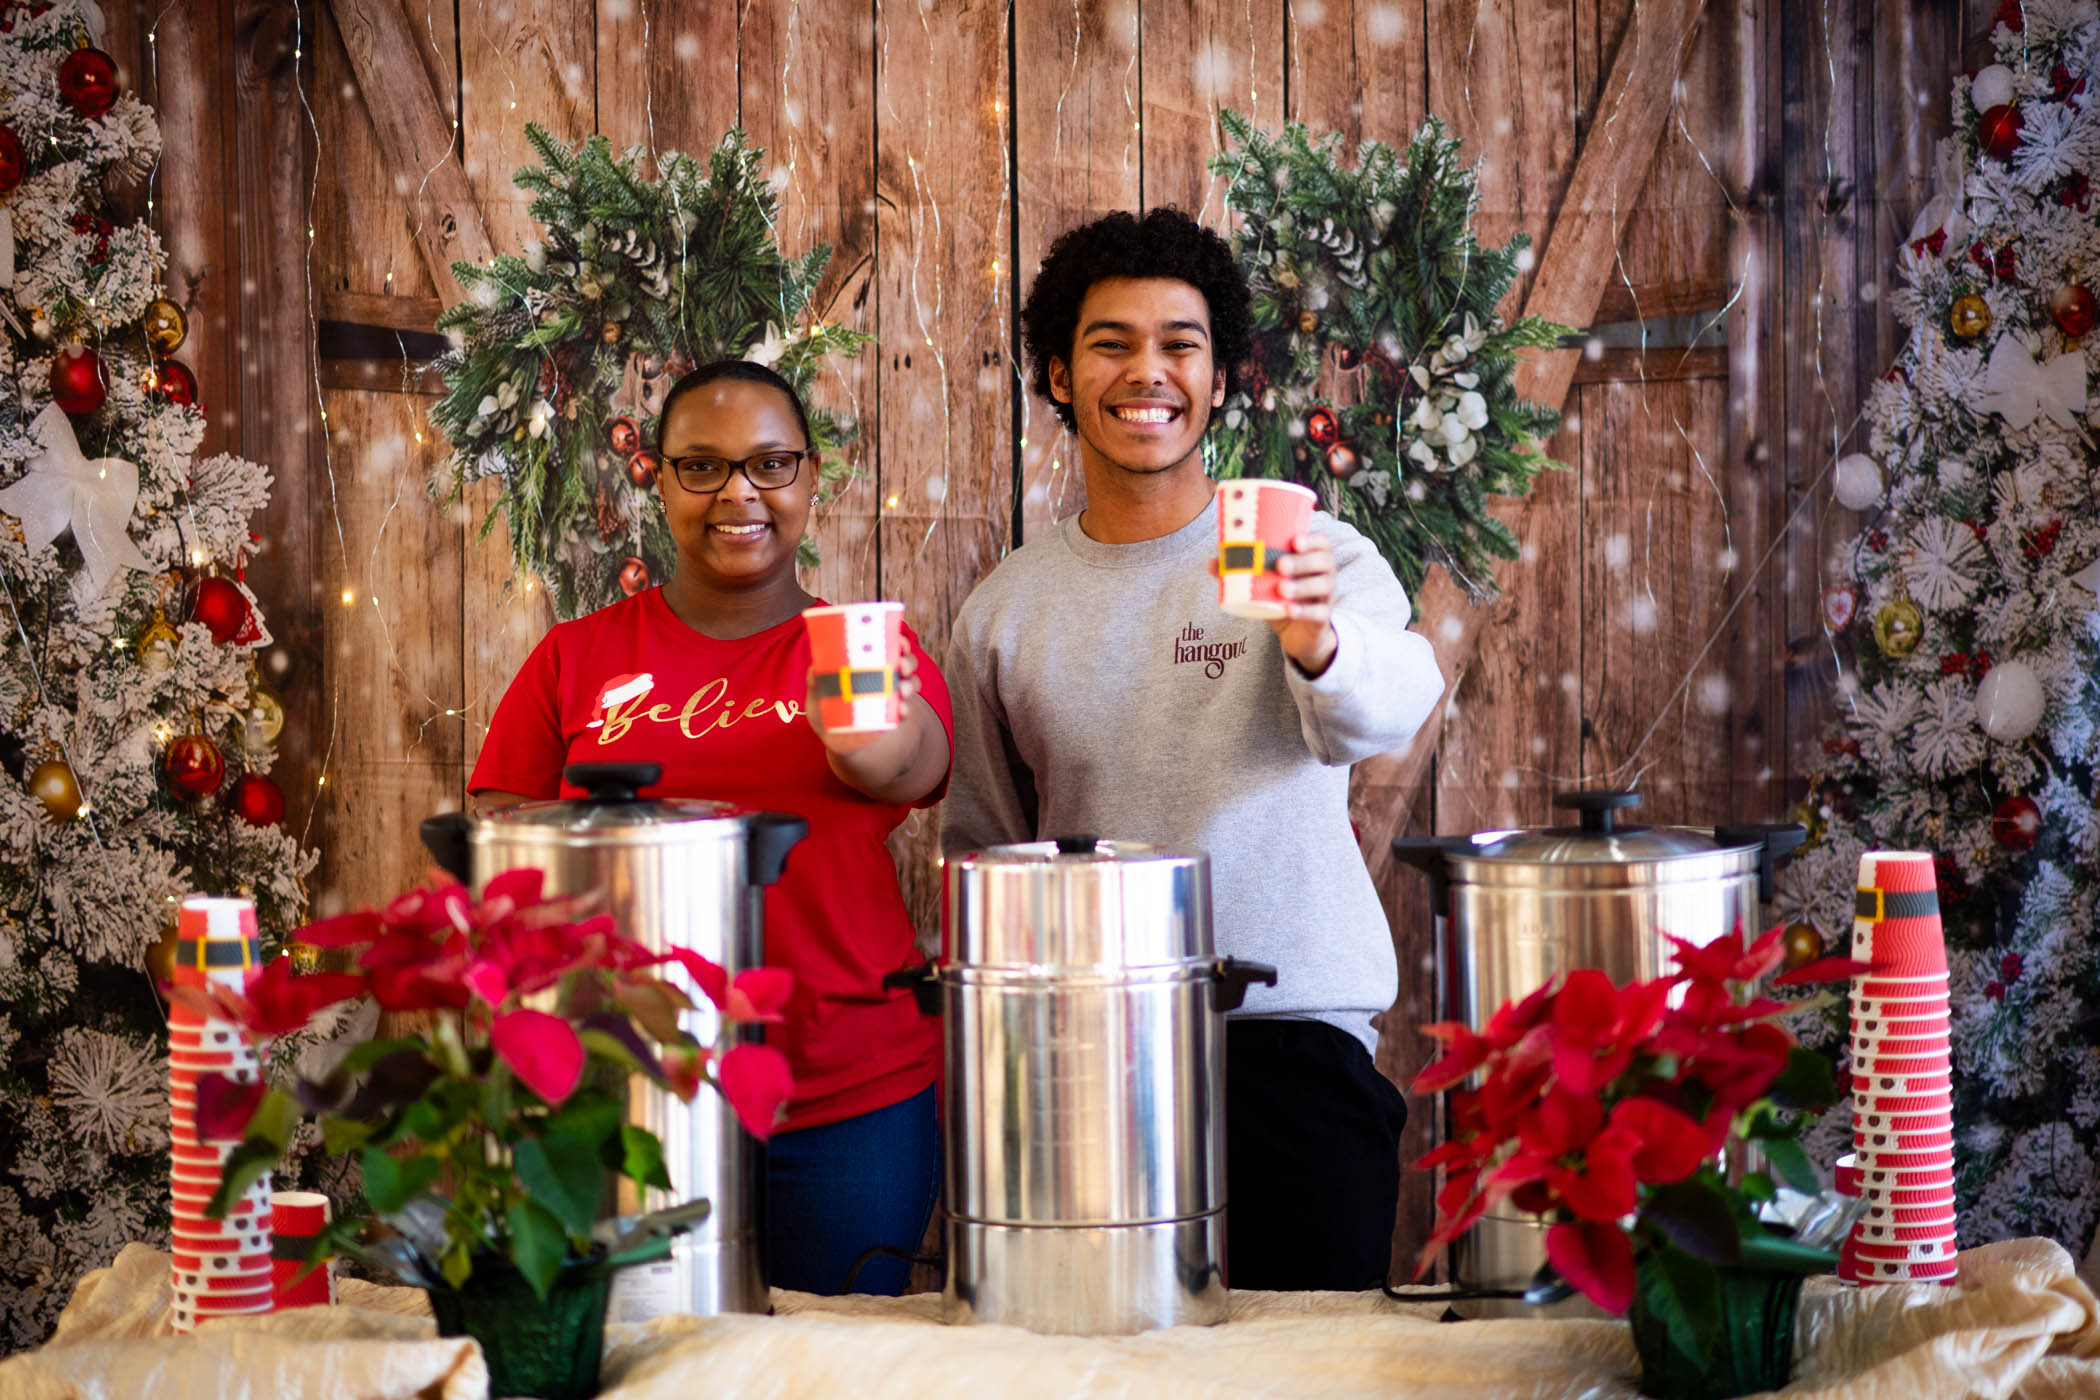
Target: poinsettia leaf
x: 1596, y: 1258
x: 245, y: 1165
x: 758, y: 1083
x: 643, y: 1157
x: 590, y: 1116
x: 391, y: 1182
x: 537, y: 1244
x: 649, y: 1002
x: 225, y: 1107
x: 613, y: 1025
x: 1685, y: 1293
x: 541, y: 1049
x: 369, y: 1053
x: 1757, y: 1186
x: 563, y: 1176
x: 1697, y: 1220
x: 1793, y: 1164
x: 276, y: 1117
x: 342, y: 1136
x: 398, y: 1077
x: 1806, y: 1082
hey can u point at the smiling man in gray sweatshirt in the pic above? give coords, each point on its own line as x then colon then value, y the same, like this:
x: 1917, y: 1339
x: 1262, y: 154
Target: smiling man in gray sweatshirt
x: 1098, y: 688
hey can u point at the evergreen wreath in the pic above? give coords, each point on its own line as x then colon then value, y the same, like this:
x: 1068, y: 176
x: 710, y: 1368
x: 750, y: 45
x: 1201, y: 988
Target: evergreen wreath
x: 561, y: 357
x: 1381, y: 375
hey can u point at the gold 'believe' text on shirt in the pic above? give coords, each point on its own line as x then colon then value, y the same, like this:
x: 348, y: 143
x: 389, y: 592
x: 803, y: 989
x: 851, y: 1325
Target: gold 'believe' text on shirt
x: 693, y: 720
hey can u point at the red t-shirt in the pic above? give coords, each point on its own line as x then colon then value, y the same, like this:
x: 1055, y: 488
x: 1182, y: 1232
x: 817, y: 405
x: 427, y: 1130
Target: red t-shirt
x: 632, y: 684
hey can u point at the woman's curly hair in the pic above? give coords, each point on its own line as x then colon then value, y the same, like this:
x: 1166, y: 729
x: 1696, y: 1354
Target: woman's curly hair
x: 1165, y: 242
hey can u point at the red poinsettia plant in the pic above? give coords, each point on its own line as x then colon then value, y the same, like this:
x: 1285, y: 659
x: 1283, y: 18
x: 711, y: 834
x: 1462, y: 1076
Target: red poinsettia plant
x: 495, y: 1128
x: 1607, y: 1109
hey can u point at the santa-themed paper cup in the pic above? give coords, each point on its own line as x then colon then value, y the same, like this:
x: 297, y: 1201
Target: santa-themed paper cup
x: 1899, y: 1010
x: 1903, y: 1122
x: 297, y: 1219
x: 1899, y: 989
x: 1887, y: 1083
x: 1877, y: 1030
x: 1900, y: 1066
x: 1890, y: 1271
x: 1932, y: 1216
x: 215, y: 941
x: 1882, y: 1232
x: 1923, y: 1252
x: 1257, y: 520
x: 1879, y: 1141
x: 854, y: 649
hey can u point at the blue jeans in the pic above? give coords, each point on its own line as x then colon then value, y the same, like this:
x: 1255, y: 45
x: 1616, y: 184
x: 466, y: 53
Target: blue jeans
x: 833, y: 1192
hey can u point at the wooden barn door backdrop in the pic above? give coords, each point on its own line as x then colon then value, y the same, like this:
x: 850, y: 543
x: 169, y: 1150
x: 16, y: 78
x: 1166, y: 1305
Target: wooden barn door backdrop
x: 1715, y: 190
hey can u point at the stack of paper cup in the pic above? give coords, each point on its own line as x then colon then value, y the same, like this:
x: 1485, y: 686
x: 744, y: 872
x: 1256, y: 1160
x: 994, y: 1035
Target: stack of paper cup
x: 854, y: 650
x: 221, y: 1266
x: 1902, y: 1106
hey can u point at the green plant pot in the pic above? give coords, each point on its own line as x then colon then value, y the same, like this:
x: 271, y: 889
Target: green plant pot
x: 1753, y: 1347
x: 545, y: 1347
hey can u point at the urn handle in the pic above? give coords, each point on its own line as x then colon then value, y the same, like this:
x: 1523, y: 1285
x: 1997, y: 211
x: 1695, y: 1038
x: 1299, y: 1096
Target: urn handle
x: 445, y: 836
x: 772, y: 835
x: 1775, y: 841
x: 1230, y: 978
x: 924, y: 983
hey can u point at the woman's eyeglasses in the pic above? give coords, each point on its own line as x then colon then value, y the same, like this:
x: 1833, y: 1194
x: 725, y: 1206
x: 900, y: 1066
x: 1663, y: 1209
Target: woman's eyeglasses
x: 768, y: 471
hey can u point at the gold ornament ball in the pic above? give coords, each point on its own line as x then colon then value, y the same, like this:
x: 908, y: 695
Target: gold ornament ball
x: 160, y: 955
x: 1308, y: 321
x: 306, y: 958
x: 1970, y: 316
x: 1803, y: 945
x: 611, y: 332
x: 1899, y: 627
x: 1810, y: 818
x: 166, y: 325
x: 265, y: 714
x: 53, y: 784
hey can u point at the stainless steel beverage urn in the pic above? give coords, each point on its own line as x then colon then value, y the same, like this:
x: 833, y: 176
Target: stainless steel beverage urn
x: 1515, y: 908
x: 1084, y: 1133
x: 674, y: 873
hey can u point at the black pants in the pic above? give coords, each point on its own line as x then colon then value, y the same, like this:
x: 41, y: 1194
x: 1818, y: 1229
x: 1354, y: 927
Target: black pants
x: 1312, y: 1157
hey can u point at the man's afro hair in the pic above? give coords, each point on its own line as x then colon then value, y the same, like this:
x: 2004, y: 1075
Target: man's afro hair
x: 1164, y: 243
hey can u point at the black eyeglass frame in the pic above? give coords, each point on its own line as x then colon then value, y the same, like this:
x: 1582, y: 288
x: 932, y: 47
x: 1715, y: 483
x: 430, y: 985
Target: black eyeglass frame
x: 739, y: 464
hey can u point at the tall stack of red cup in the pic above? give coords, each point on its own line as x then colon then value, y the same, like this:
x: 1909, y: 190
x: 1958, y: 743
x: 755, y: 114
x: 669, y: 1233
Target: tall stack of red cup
x: 221, y: 1267
x: 1902, y: 1106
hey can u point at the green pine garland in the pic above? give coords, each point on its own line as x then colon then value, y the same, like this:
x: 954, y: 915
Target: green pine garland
x: 1370, y: 281
x: 559, y: 352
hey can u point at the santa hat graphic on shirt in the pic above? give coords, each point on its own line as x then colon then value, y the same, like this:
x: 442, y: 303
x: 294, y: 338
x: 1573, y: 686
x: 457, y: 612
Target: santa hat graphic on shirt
x: 618, y: 691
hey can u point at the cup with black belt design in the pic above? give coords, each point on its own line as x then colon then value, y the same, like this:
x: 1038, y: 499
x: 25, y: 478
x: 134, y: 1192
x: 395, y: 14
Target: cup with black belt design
x: 854, y: 650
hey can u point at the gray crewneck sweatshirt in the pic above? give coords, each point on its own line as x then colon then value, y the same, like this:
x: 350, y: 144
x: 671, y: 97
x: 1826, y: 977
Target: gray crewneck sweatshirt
x: 1098, y: 689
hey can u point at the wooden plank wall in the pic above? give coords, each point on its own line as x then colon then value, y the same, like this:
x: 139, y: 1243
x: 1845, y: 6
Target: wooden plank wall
x: 1660, y: 629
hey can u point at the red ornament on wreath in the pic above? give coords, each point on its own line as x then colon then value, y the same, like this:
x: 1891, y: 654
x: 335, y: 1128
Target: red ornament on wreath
x: 625, y: 438
x: 1998, y: 131
x: 220, y: 605
x: 1322, y: 428
x: 13, y: 163
x: 634, y: 575
x: 642, y: 468
x: 256, y: 799
x: 174, y: 382
x: 76, y: 380
x: 1342, y: 461
x: 194, y: 767
x: 87, y: 82
x: 2017, y: 823
x: 2072, y: 309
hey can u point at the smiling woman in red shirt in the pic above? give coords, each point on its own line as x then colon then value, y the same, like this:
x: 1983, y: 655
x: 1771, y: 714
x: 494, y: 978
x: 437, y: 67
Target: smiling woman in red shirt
x: 709, y: 675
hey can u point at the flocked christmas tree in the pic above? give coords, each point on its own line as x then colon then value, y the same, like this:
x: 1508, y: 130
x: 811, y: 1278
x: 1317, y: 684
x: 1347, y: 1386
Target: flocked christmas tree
x: 134, y: 736
x: 1967, y: 727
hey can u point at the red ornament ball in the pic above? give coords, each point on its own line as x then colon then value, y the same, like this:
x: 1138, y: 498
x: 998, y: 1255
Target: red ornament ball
x: 13, y: 163
x: 221, y: 606
x: 625, y: 438
x: 642, y: 468
x: 256, y: 800
x: 2072, y: 309
x: 173, y: 381
x: 194, y: 767
x: 1998, y: 131
x: 87, y: 82
x: 1342, y: 461
x: 76, y: 380
x: 2017, y: 823
x: 1322, y: 428
x: 634, y: 576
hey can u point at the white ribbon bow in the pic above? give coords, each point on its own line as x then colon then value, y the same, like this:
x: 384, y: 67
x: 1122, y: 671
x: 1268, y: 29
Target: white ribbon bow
x: 64, y: 489
x: 2019, y: 388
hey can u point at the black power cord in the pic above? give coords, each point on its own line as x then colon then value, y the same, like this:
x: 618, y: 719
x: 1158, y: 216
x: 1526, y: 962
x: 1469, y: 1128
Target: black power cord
x: 874, y: 1251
